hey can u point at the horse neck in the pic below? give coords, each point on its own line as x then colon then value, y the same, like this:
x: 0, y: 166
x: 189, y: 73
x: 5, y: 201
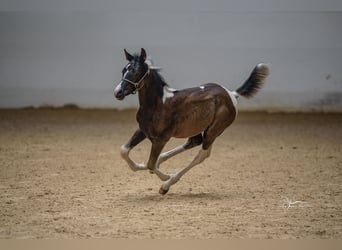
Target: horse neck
x: 150, y: 95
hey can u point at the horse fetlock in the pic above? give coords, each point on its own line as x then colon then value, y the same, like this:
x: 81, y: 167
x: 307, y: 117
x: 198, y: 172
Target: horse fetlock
x: 141, y: 166
x: 124, y: 151
x: 137, y: 166
x: 173, y: 179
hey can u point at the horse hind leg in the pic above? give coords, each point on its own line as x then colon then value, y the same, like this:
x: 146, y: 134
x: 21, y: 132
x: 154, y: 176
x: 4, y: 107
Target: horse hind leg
x: 209, y: 136
x: 191, y: 142
x: 174, y: 178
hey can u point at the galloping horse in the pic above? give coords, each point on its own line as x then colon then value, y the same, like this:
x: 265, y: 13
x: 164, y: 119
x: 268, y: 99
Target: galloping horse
x: 200, y: 114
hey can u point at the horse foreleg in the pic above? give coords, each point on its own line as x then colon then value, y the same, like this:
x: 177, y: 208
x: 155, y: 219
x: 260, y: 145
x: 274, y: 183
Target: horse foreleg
x: 137, y: 137
x: 152, y: 164
x: 174, y: 178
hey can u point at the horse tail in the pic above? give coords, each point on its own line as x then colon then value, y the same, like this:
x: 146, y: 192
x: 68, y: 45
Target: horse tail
x: 254, y: 82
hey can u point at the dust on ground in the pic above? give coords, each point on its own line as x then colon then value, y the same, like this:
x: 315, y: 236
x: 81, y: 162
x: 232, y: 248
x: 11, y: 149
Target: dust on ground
x: 269, y: 176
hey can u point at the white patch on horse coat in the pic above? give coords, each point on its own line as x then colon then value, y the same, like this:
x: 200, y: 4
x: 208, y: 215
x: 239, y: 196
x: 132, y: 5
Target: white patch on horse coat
x: 233, y: 96
x: 236, y: 94
x: 167, y: 93
x: 170, y: 89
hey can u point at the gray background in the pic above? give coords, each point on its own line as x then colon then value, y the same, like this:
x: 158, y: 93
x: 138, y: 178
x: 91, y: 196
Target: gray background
x: 57, y: 52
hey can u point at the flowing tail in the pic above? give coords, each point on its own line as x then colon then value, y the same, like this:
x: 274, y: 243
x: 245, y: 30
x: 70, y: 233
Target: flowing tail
x: 254, y: 82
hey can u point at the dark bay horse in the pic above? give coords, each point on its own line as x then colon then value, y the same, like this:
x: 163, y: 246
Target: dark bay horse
x: 200, y: 114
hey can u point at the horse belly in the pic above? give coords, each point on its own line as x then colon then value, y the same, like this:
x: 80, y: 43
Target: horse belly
x: 194, y: 121
x: 188, y: 130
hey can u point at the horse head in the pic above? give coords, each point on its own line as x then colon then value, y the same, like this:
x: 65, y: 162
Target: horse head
x: 133, y: 75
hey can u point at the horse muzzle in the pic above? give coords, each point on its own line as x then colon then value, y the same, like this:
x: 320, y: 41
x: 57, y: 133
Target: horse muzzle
x: 119, y: 95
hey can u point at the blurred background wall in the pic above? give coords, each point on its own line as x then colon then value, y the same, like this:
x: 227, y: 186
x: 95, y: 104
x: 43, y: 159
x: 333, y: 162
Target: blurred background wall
x: 57, y: 52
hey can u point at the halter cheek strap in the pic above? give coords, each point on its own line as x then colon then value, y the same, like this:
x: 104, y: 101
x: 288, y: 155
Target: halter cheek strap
x: 137, y: 84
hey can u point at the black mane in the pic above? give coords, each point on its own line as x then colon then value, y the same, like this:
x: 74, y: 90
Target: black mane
x: 155, y: 72
x: 159, y: 81
x: 158, y: 77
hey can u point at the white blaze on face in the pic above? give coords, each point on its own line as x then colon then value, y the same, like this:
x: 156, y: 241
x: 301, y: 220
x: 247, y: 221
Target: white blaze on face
x: 167, y: 93
x: 124, y: 76
x: 118, y: 88
x: 127, y: 66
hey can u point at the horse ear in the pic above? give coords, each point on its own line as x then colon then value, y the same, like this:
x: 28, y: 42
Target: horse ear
x: 143, y: 55
x: 129, y: 57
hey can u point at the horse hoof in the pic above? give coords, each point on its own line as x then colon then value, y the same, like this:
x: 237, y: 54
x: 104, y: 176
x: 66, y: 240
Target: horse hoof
x: 162, y: 191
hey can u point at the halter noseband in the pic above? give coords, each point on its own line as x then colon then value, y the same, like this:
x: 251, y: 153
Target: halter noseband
x: 136, y: 84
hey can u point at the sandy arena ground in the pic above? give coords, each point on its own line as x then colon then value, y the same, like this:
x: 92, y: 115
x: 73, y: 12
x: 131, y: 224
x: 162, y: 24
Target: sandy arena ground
x: 269, y: 176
